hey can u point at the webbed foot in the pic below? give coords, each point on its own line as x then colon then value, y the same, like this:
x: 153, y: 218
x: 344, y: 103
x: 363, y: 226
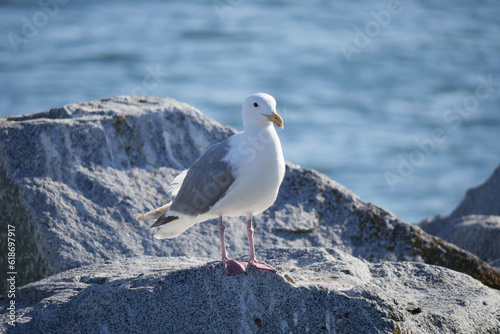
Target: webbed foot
x: 232, y: 267
x: 262, y: 266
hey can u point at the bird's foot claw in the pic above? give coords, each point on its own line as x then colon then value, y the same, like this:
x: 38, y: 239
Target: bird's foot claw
x: 232, y: 267
x: 262, y: 266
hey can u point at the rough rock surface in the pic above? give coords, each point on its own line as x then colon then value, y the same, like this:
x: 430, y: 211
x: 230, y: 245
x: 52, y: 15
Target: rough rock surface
x: 476, y: 233
x: 73, y: 179
x: 482, y: 200
x: 475, y: 224
x: 318, y: 291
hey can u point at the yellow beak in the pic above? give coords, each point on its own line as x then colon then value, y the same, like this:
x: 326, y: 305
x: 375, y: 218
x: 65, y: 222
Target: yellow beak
x: 276, y: 119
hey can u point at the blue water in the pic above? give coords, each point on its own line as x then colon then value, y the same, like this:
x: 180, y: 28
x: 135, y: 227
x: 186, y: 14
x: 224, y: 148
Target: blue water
x: 375, y: 105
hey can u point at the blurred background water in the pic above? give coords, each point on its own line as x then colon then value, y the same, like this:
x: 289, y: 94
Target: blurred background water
x: 389, y: 98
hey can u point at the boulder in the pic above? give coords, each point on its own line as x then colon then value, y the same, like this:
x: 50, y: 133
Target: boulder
x: 481, y: 200
x: 73, y: 180
x: 318, y: 290
x: 475, y: 224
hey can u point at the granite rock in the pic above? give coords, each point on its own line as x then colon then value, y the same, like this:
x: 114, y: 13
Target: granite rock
x: 481, y: 200
x: 318, y: 290
x: 475, y: 224
x: 73, y: 180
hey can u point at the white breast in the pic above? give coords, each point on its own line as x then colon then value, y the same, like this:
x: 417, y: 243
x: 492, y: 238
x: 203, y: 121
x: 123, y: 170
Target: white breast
x: 259, y: 167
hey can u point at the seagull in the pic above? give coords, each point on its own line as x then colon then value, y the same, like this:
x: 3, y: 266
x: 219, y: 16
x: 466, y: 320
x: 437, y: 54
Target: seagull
x: 240, y: 176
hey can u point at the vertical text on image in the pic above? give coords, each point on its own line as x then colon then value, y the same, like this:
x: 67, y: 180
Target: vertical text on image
x: 11, y: 273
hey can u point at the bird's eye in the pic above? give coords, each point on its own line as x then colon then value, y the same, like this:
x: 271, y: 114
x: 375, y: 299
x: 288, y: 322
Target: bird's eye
x: 255, y: 104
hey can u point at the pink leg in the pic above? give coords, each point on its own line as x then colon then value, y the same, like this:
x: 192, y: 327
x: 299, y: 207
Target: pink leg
x: 253, y: 262
x: 231, y: 267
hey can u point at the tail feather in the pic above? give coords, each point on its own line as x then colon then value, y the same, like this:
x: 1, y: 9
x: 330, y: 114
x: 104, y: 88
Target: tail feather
x: 174, y: 228
x: 156, y: 213
x: 164, y: 220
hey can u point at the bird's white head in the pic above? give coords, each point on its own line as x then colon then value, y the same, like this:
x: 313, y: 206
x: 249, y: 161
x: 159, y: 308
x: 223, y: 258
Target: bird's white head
x: 260, y: 109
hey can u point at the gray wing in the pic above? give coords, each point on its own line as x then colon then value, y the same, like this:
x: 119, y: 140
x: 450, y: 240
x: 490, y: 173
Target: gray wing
x: 206, y: 182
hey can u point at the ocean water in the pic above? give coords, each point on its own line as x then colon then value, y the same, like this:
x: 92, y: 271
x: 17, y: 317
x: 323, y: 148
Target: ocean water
x: 397, y: 100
